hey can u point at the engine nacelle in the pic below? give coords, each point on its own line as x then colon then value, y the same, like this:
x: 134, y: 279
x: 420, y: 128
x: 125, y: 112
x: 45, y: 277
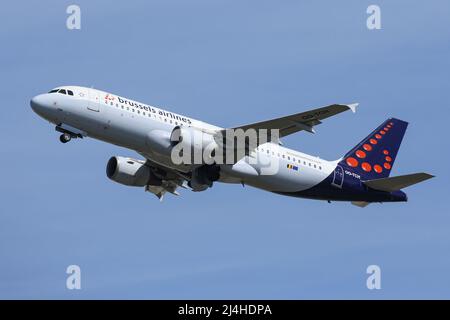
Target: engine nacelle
x: 129, y: 172
x: 192, y: 146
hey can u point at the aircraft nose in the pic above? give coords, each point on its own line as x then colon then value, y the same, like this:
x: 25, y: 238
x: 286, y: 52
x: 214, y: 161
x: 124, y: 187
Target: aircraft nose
x: 41, y: 104
x: 37, y: 103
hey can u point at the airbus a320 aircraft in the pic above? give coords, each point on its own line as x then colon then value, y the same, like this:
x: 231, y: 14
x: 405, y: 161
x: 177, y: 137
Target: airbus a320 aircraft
x: 361, y: 176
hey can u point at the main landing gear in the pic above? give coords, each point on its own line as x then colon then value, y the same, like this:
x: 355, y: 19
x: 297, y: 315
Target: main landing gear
x: 65, y: 137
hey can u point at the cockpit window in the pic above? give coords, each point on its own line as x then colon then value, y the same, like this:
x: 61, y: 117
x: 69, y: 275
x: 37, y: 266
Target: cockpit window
x: 62, y: 91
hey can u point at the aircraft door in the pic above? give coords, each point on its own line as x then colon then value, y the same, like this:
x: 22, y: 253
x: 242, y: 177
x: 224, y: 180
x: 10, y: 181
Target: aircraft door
x: 338, y: 178
x: 97, y: 111
x: 93, y: 101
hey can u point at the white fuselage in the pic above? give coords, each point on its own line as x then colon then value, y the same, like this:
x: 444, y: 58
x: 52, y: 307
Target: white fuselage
x: 127, y: 123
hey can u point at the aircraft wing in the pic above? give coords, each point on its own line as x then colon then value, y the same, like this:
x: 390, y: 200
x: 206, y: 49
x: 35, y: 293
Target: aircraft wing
x: 287, y: 125
x: 300, y: 121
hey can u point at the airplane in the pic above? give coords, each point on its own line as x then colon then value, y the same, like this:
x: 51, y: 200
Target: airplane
x: 361, y: 176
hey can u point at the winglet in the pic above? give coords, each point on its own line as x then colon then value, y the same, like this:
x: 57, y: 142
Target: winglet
x: 352, y: 106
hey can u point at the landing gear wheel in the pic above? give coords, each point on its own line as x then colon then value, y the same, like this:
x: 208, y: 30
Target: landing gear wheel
x: 65, y: 137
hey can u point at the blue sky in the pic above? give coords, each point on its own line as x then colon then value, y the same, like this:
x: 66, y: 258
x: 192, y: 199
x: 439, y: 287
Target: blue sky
x: 227, y: 63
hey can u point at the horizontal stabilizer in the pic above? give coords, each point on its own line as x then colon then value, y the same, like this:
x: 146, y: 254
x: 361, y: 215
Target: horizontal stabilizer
x: 397, y: 183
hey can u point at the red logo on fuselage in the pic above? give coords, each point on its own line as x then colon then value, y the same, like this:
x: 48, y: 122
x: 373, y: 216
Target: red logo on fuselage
x: 109, y: 97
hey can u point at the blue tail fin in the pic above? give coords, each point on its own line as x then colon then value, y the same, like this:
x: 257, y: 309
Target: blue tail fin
x: 374, y: 156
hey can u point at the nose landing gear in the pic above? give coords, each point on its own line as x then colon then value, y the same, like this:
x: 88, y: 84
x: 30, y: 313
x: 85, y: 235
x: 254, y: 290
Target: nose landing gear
x: 68, y: 133
x: 65, y: 137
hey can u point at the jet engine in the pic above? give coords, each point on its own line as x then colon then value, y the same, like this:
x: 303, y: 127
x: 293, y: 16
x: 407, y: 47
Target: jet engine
x: 204, y: 176
x: 128, y: 171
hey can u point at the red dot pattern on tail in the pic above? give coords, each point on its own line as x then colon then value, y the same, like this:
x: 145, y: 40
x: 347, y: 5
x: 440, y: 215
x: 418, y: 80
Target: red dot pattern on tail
x: 360, y: 154
x: 368, y: 147
x: 352, y: 162
x: 366, y: 166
